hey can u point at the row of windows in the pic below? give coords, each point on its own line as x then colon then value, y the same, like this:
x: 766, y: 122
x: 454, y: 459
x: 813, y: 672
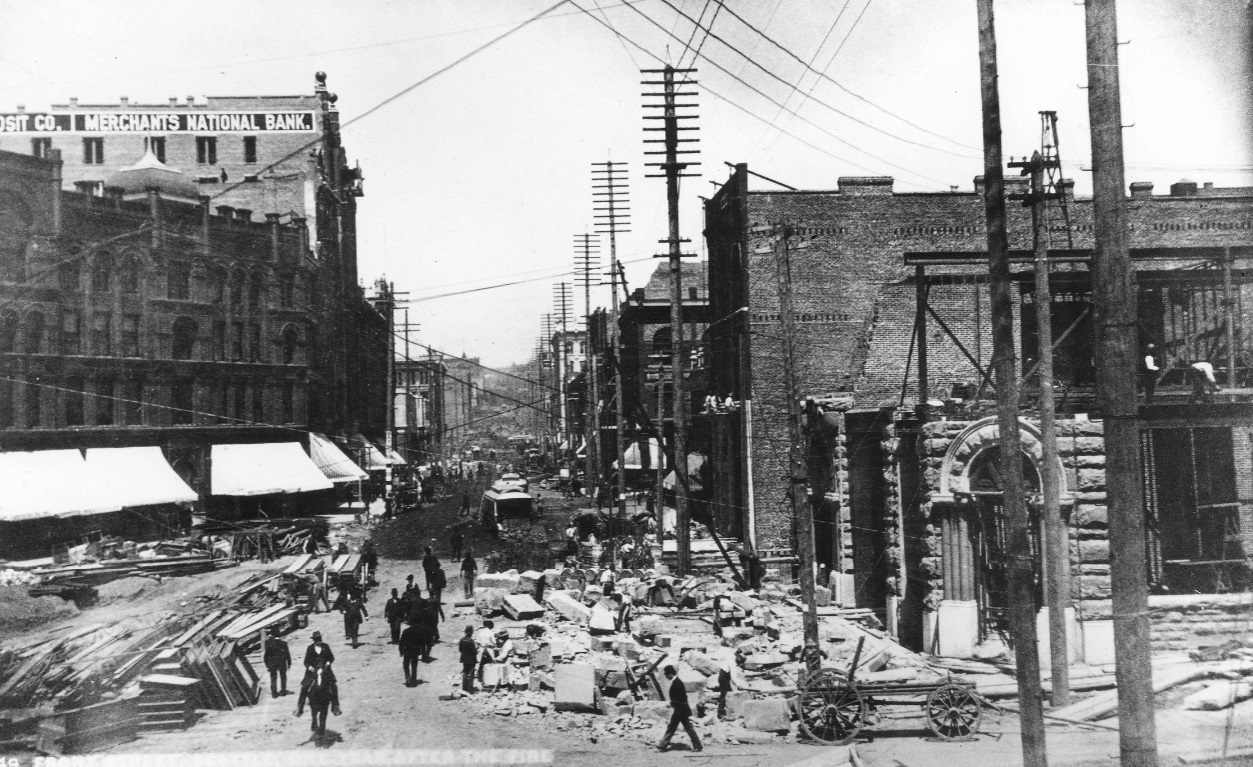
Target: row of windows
x: 242, y: 343
x: 126, y: 277
x: 93, y: 149
x: 108, y: 401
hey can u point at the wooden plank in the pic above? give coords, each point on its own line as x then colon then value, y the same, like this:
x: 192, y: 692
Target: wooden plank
x: 242, y: 633
x: 190, y: 633
x: 248, y: 626
x: 339, y: 563
x: 25, y: 668
x: 1106, y: 702
x: 299, y: 564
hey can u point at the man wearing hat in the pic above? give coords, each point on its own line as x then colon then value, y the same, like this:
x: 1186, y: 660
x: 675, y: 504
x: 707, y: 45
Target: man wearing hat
x: 411, y: 647
x: 319, y: 653
x: 277, y: 661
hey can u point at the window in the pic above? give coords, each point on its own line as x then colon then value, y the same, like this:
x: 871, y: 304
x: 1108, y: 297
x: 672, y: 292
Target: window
x: 206, y: 150
x: 93, y: 188
x: 130, y: 274
x: 217, y: 286
x: 101, y: 272
x: 237, y: 341
x: 41, y: 147
x: 241, y: 399
x: 254, y: 343
x: 71, y: 335
x: 291, y: 340
x: 93, y: 151
x: 73, y: 401
x: 102, y: 403
x: 129, y: 338
x: 221, y: 403
x: 157, y: 145
x: 179, y: 276
x: 101, y: 338
x: 250, y: 149
x: 182, y: 402
x: 254, y: 294
x: 286, y: 288
x: 34, y: 403
x: 8, y: 331
x: 237, y: 292
x: 184, y: 341
x: 8, y: 413
x: 258, y: 403
x: 289, y: 402
x: 219, y: 340
x: 133, y: 401
x: 67, y: 275
x: 33, y: 334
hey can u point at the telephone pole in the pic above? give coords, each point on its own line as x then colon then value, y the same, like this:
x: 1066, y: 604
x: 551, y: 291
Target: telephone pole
x: 611, y: 206
x: 1057, y: 540
x: 561, y: 299
x: 673, y: 171
x: 587, y: 259
x: 1113, y: 296
x: 1018, y: 543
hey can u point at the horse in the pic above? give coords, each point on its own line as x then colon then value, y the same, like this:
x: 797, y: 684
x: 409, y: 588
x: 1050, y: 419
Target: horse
x: 321, y: 690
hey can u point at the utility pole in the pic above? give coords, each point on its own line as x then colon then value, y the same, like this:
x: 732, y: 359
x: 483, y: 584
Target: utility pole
x: 673, y: 171
x: 1018, y: 543
x: 798, y: 439
x: 611, y: 209
x: 587, y: 259
x: 1114, y: 299
x: 1057, y: 540
x: 561, y: 295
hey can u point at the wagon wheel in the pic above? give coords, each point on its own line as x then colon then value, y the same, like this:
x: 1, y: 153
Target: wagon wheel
x: 953, y: 712
x: 830, y: 708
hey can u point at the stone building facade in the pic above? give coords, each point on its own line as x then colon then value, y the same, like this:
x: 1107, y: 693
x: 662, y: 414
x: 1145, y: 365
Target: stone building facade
x: 907, y: 493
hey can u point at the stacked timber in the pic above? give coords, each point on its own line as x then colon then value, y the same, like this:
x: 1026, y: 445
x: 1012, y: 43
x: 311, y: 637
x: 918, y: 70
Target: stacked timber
x: 167, y: 702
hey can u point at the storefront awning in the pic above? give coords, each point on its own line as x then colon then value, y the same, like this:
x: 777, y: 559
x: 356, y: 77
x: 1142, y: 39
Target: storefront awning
x: 332, y: 462
x: 136, y: 476
x: 396, y: 458
x: 372, y: 459
x: 695, y: 462
x: 634, y: 459
x: 265, y: 468
x: 48, y: 483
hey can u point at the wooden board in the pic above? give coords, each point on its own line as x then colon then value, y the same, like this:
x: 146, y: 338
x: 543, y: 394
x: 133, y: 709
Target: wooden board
x: 299, y: 564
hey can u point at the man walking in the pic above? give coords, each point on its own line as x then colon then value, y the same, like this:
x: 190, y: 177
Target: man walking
x: 682, y: 714
x: 354, y: 613
x: 277, y: 661
x: 455, y: 539
x: 465, y: 504
x: 394, y: 613
x: 411, y: 653
x: 439, y: 581
x: 430, y: 563
x: 468, y: 570
x: 469, y: 658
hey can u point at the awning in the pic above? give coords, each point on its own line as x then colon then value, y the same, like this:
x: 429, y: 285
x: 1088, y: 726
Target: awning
x: 265, y: 468
x: 372, y: 458
x: 136, y: 476
x: 695, y: 462
x: 48, y: 483
x: 582, y: 451
x: 635, y: 461
x: 332, y: 462
x: 396, y: 458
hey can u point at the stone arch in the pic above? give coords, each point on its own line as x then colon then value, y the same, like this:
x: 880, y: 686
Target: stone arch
x: 980, y: 436
x: 289, y: 344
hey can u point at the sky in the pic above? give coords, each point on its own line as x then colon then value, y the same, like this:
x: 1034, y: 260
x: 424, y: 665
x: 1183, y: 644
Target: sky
x: 478, y: 179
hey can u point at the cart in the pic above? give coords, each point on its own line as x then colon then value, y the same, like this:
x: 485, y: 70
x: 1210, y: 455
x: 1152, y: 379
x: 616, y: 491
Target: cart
x: 833, y: 707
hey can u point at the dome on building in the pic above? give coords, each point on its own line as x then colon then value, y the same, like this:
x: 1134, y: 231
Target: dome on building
x: 135, y: 180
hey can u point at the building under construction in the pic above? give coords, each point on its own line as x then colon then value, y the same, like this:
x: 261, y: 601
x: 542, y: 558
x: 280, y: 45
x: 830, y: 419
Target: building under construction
x: 893, y: 335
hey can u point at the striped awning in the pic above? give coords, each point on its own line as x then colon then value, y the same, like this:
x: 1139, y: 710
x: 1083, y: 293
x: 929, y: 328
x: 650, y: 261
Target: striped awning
x: 337, y: 467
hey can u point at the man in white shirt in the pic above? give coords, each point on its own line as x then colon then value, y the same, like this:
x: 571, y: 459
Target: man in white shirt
x: 485, y: 638
x: 1203, y: 383
x: 1150, y: 372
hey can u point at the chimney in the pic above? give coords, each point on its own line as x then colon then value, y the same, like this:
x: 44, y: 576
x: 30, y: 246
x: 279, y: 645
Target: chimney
x: 1208, y: 185
x: 21, y: 107
x: 243, y: 215
x: 275, y: 241
x: 154, y: 208
x: 73, y: 102
x: 302, y: 231
x: 227, y: 212
x: 1183, y: 188
x: 864, y: 185
x: 191, y: 101
x: 1141, y: 190
x: 206, y: 216
x: 126, y: 101
x: 54, y: 156
x: 979, y: 184
x: 173, y: 101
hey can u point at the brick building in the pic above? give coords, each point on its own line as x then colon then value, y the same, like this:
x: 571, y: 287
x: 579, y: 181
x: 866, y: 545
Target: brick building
x: 146, y: 316
x: 907, y: 501
x: 421, y: 441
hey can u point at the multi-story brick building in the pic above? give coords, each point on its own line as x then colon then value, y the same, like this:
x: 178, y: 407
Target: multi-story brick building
x: 423, y: 379
x: 145, y: 316
x: 907, y: 500
x: 461, y: 398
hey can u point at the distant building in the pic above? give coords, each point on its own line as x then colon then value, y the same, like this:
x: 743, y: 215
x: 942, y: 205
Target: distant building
x: 420, y: 436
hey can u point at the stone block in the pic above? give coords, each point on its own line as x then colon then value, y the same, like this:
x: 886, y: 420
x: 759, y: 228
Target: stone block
x: 489, y: 601
x: 701, y: 662
x: 648, y: 625
x: 568, y: 607
x: 750, y: 737
x: 693, y: 681
x: 1094, y: 551
x: 541, y: 658
x: 528, y: 581
x: 734, y: 637
x: 601, y: 619
x: 958, y: 628
x: 628, y: 647
x: 764, y: 660
x: 507, y: 580
x: 1091, y: 479
x: 521, y: 607
x: 769, y: 715
x: 735, y: 703
x: 741, y: 600
x: 822, y: 596
x: 1089, y: 445
x: 493, y: 674
x: 653, y: 710
x: 575, y: 684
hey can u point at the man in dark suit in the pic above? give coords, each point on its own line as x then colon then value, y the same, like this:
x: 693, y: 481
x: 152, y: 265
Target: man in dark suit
x: 411, y: 652
x: 277, y: 661
x: 394, y: 613
x: 682, y: 714
x: 469, y: 659
x: 319, y: 653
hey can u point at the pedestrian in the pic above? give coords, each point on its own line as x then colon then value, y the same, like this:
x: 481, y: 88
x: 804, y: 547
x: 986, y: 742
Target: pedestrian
x: 277, y: 661
x: 1150, y: 372
x: 319, y: 653
x: 626, y: 612
x: 465, y: 504
x: 354, y: 614
x: 311, y: 544
x: 681, y: 713
x: 394, y: 613
x: 428, y: 630
x: 321, y: 690
x: 438, y: 584
x: 572, y: 541
x: 370, y: 561
x: 468, y: 570
x: 430, y: 563
x: 317, y: 592
x: 409, y: 583
x: 726, y: 683
x: 455, y: 539
x: 469, y: 658
x: 410, y: 653
x: 485, y: 638
x: 1203, y: 384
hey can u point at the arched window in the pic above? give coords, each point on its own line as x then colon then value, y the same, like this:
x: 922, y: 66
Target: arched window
x: 290, y: 342
x: 33, y: 333
x: 130, y: 274
x: 254, y: 292
x: 68, y: 274
x: 217, y: 286
x: 662, y: 345
x: 237, y: 291
x: 184, y: 338
x: 102, y: 272
x: 15, y: 230
x: 8, y: 331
